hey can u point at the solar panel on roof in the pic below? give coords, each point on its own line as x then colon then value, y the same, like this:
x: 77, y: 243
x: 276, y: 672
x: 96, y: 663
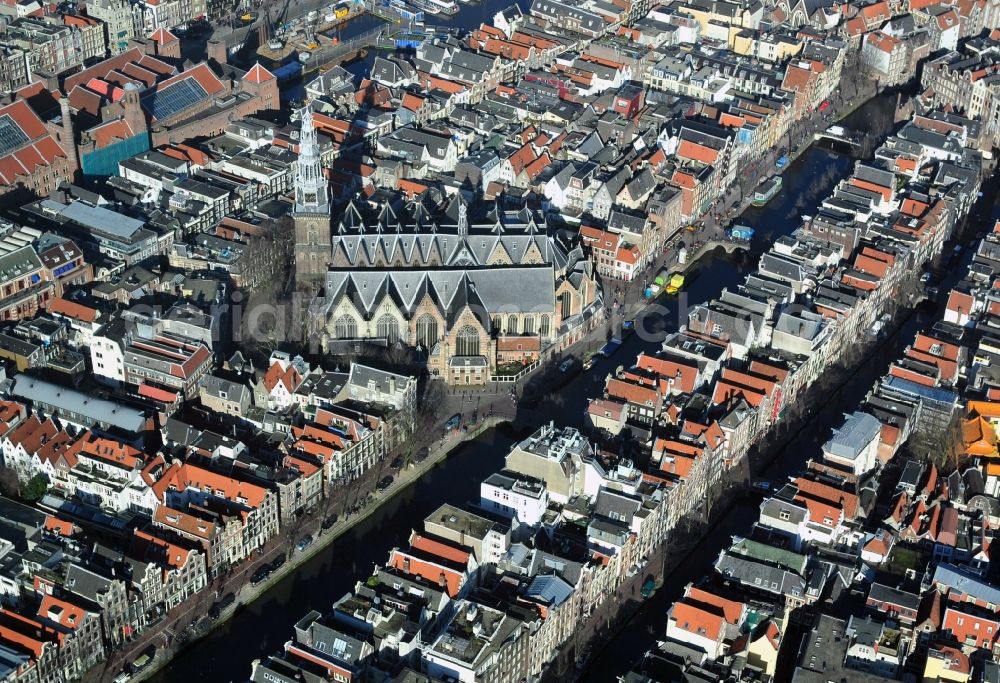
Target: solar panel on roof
x: 174, y: 98
x: 12, y: 137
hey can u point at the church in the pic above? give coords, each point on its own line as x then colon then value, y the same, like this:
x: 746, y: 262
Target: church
x: 311, y: 214
x: 472, y: 290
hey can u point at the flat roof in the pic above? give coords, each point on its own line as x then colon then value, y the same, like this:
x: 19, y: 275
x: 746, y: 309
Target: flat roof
x: 101, y: 219
x: 98, y: 410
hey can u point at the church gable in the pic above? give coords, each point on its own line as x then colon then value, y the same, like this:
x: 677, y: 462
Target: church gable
x: 426, y: 306
x: 468, y: 318
x: 344, y: 308
x: 499, y: 256
x: 463, y: 257
x: 532, y: 255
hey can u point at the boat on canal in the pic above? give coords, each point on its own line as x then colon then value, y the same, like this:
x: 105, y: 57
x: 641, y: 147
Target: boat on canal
x: 648, y: 587
x: 675, y: 284
x: 766, y: 191
x: 436, y: 6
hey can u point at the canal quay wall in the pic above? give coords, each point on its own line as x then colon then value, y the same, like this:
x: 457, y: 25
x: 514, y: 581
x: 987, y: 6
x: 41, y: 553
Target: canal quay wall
x: 720, y: 506
x: 640, y: 625
x: 263, y: 623
x: 248, y: 594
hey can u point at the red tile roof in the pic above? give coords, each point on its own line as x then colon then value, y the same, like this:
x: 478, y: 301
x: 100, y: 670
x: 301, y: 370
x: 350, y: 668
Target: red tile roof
x: 259, y: 74
x: 439, y: 548
x: 71, y: 309
x: 696, y: 152
x: 186, y: 476
x: 970, y: 628
x: 110, y: 132
x: 696, y: 620
x: 632, y: 393
x: 58, y: 526
x: 676, y: 374
x: 64, y: 613
x: 730, y: 610
x: 162, y: 36
x: 289, y: 377
x: 40, y: 149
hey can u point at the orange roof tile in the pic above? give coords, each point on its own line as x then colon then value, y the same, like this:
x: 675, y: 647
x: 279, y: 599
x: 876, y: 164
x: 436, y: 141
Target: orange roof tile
x: 58, y: 526
x: 439, y: 548
x: 696, y: 620
x: 71, y: 309
x: 66, y: 614
x: 258, y: 74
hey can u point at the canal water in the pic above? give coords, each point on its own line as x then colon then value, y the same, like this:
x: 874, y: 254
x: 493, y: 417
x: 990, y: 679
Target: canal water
x: 468, y: 17
x: 809, y: 180
x: 262, y: 627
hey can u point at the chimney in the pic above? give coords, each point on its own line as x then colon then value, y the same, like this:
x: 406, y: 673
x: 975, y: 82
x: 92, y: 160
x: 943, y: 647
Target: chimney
x: 133, y: 113
x: 216, y: 50
x: 68, y: 136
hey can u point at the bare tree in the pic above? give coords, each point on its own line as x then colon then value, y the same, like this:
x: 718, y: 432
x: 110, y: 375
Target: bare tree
x: 267, y: 318
x: 10, y: 485
x: 944, y: 445
x: 297, y: 522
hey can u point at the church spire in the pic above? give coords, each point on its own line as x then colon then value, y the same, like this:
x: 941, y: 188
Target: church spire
x: 463, y: 219
x: 311, y: 193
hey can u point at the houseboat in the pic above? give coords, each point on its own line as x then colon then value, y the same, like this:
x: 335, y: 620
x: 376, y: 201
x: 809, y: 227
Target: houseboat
x: 436, y: 6
x: 766, y: 190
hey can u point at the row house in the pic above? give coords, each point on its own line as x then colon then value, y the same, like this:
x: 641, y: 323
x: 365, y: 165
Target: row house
x: 613, y: 257
x: 109, y: 474
x: 80, y: 641
x: 33, y: 447
x: 440, y: 563
x: 107, y: 595
x: 218, y: 532
x: 967, y: 80
x: 186, y: 485
x: 168, y: 573
x: 348, y: 443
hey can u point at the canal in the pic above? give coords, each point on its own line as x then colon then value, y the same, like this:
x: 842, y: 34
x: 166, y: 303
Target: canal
x: 263, y: 626
x: 806, y: 182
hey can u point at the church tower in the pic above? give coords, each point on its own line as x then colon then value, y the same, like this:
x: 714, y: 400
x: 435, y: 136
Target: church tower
x: 312, y: 210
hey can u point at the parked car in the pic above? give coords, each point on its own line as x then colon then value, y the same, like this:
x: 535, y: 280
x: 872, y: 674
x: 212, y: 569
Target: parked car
x: 453, y: 422
x: 260, y: 575
x: 567, y: 364
x: 385, y: 482
x: 648, y: 586
x: 589, y: 363
x: 397, y: 463
x: 304, y: 542
x: 422, y: 454
x: 219, y: 605
x: 329, y: 521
